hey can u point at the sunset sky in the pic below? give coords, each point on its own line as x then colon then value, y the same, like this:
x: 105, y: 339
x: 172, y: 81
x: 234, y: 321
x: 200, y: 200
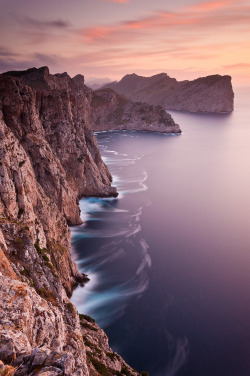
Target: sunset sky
x: 110, y: 38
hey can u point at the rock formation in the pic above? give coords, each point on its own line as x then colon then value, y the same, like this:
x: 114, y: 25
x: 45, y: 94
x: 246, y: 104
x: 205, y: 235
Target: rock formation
x: 206, y: 94
x: 112, y: 111
x: 48, y: 159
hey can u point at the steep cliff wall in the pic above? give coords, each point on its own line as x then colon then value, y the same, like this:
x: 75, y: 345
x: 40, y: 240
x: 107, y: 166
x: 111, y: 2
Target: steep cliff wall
x: 113, y: 111
x: 206, y: 94
x: 48, y: 160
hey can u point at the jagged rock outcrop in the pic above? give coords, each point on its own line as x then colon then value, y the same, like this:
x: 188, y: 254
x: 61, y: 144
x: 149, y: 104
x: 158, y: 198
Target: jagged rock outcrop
x: 48, y: 159
x: 99, y: 355
x: 206, y: 94
x: 112, y: 111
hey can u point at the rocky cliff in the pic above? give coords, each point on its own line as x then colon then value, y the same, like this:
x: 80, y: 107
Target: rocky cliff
x: 113, y: 111
x: 48, y: 159
x: 205, y: 94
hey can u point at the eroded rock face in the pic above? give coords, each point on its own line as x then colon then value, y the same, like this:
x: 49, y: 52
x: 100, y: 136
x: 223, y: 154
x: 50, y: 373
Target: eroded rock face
x: 35, y: 335
x: 112, y: 111
x: 206, y: 94
x: 98, y: 352
x: 48, y: 160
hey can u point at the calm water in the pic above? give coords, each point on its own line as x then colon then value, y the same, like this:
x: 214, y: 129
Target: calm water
x: 169, y: 260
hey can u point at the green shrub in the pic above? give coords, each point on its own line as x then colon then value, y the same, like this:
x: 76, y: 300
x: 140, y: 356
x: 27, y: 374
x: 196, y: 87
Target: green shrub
x: 70, y: 307
x: 86, y: 317
x: 20, y: 212
x: 125, y: 370
x: 47, y: 294
x: 100, y: 367
x: 25, y: 272
x: 111, y: 355
x: 21, y: 163
x: 88, y: 326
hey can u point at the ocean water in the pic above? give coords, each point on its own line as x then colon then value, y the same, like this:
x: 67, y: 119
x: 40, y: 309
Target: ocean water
x: 169, y: 259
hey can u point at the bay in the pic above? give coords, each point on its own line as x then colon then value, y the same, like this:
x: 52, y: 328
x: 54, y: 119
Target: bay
x: 169, y: 259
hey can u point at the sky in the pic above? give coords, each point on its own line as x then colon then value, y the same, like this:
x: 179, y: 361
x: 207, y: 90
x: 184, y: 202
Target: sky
x: 110, y: 38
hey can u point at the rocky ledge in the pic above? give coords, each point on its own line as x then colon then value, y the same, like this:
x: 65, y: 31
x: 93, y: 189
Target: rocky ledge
x: 49, y: 159
x: 206, y: 94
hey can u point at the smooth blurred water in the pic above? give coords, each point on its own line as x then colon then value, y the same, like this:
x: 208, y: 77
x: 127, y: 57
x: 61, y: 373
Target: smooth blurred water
x: 169, y: 259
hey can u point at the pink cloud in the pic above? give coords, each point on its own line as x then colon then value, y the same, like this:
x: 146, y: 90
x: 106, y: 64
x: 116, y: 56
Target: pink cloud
x: 197, y: 18
x: 211, y: 5
x: 119, y: 1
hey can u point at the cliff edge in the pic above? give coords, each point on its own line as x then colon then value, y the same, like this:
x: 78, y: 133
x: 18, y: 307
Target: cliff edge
x: 48, y: 159
x: 206, y: 94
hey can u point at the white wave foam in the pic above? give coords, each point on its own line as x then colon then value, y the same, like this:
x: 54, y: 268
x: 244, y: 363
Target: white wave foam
x: 180, y: 356
x: 146, y: 261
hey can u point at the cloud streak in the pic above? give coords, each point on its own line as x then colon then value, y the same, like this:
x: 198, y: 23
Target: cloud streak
x: 209, y: 36
x: 237, y: 66
x: 42, y: 24
x: 192, y: 20
x: 118, y: 1
x: 212, y: 5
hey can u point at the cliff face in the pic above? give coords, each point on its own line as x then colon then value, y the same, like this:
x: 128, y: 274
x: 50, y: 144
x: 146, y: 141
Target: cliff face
x: 113, y: 111
x: 205, y: 94
x: 48, y: 160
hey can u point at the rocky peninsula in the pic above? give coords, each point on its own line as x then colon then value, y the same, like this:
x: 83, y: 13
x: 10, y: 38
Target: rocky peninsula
x: 206, y: 94
x: 49, y: 159
x: 111, y: 111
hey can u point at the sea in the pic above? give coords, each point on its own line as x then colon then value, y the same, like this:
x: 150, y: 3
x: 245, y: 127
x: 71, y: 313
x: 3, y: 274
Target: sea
x: 169, y: 258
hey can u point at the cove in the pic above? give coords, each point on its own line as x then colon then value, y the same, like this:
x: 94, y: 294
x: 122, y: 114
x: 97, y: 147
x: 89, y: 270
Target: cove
x: 169, y: 259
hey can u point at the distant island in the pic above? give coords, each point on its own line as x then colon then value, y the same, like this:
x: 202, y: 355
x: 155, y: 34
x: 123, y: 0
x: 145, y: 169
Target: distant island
x: 206, y: 94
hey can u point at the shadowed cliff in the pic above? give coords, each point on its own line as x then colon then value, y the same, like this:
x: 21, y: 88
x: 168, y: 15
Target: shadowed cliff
x: 206, y: 94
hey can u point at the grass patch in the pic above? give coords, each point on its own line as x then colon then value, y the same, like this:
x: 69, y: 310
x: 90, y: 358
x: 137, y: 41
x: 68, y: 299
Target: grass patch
x: 111, y: 355
x: 85, y: 325
x: 43, y: 253
x: 100, y: 367
x: 70, y: 307
x: 48, y: 295
x: 25, y: 272
x: 125, y: 370
x: 21, y: 163
x: 86, y: 317
x: 91, y: 345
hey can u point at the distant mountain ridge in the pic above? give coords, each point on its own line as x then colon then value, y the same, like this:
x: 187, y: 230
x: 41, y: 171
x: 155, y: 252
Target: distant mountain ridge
x: 206, y: 94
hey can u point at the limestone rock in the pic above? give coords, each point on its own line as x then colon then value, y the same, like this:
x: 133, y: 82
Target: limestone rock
x: 206, y: 94
x: 34, y: 334
x: 112, y: 111
x: 99, y: 354
x: 49, y: 158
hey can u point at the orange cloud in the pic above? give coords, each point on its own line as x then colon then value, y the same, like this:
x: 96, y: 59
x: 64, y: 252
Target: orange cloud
x: 196, y: 18
x: 98, y: 32
x: 237, y: 66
